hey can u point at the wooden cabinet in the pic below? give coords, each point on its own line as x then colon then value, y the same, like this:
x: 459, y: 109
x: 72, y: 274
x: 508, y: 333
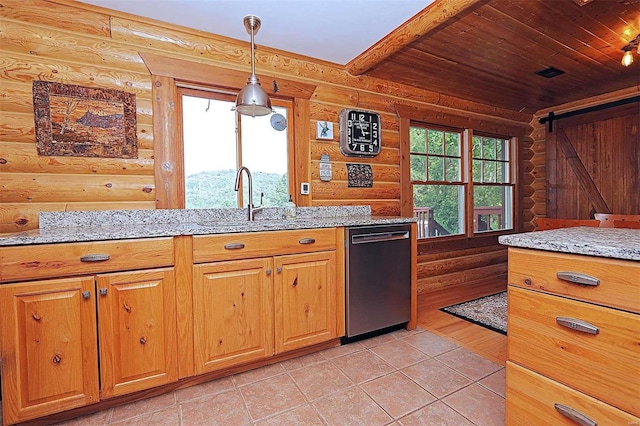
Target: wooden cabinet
x: 85, y: 322
x: 49, y: 330
x: 233, y: 313
x: 305, y: 289
x: 261, y: 304
x: 49, y: 351
x: 137, y: 330
x: 573, y: 347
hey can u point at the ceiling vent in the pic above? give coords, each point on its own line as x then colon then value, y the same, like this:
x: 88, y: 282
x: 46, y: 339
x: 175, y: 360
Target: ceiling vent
x: 549, y: 72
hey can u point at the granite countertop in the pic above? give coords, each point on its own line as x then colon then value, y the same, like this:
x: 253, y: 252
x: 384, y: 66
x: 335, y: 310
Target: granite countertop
x: 60, y: 227
x: 618, y: 243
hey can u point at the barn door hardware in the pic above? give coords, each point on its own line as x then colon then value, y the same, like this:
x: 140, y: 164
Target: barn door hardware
x: 552, y: 116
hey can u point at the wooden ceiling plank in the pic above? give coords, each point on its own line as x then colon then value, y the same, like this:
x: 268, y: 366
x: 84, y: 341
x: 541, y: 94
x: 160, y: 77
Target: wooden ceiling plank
x: 554, y: 32
x: 429, y: 19
x: 477, y: 89
x: 601, y: 29
x: 506, y: 57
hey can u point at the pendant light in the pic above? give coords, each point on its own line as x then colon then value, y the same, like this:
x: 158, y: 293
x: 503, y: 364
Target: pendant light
x: 252, y: 99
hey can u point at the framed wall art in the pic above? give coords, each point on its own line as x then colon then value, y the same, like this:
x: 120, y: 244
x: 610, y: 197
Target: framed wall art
x: 324, y: 130
x: 82, y: 121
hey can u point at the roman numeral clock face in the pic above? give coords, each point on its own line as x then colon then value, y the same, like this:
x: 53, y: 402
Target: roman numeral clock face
x: 359, y: 133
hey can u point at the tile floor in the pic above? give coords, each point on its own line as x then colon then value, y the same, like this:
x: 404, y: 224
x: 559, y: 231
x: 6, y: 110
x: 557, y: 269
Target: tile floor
x: 401, y: 378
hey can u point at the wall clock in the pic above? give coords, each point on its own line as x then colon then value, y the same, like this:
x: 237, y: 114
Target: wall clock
x: 359, y: 133
x: 278, y: 122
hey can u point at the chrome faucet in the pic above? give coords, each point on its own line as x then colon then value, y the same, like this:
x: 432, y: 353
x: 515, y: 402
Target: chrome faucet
x: 251, y: 209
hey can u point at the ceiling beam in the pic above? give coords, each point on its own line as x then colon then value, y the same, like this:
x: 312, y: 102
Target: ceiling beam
x: 428, y: 19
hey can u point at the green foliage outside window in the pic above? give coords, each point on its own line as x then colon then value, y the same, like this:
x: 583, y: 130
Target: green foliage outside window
x: 436, y: 162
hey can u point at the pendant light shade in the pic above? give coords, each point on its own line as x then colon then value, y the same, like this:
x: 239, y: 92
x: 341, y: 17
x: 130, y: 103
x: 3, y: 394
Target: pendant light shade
x: 252, y: 99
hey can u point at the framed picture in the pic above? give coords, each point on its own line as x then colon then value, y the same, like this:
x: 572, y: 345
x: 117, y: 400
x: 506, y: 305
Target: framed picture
x: 83, y: 121
x: 324, y: 130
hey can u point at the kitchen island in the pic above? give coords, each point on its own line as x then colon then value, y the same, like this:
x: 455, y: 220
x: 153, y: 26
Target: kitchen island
x: 573, y: 327
x: 101, y: 308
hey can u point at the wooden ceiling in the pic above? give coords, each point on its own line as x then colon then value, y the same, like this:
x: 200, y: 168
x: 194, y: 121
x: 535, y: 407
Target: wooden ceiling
x: 489, y: 50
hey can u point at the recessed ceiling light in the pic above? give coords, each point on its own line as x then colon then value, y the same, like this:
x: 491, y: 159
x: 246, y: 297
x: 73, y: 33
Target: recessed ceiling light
x: 549, y: 72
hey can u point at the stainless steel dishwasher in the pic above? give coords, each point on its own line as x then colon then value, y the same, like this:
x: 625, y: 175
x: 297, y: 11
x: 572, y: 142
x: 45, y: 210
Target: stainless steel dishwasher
x: 378, y: 278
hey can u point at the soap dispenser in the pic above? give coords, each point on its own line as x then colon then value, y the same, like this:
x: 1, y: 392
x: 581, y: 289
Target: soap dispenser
x: 290, y: 209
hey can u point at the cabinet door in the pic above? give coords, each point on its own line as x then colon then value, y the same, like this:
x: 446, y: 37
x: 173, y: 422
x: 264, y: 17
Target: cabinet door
x: 137, y: 326
x: 48, y: 345
x: 233, y: 313
x: 305, y: 299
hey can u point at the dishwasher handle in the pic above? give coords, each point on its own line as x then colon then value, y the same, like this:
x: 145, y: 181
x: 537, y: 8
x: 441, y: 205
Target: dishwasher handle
x: 379, y: 237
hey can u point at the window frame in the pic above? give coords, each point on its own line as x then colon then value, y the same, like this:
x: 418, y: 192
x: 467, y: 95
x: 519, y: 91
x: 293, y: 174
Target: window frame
x: 167, y: 73
x: 468, y: 125
x: 211, y: 93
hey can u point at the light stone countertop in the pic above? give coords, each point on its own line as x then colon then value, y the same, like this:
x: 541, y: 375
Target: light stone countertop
x: 60, y: 227
x: 618, y: 243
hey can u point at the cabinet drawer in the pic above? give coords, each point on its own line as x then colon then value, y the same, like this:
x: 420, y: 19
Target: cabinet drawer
x: 531, y: 400
x: 58, y: 260
x: 212, y: 248
x: 538, y: 270
x: 605, y: 365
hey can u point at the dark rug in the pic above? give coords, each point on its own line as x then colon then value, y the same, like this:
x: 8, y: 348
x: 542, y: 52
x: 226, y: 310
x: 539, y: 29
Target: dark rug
x: 488, y: 311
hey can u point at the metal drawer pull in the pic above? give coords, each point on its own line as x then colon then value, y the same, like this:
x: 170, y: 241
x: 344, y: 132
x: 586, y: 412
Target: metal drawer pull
x: 234, y: 246
x: 578, y: 278
x: 307, y: 241
x: 577, y: 325
x: 95, y: 258
x: 103, y: 291
x: 574, y: 415
x: 86, y: 295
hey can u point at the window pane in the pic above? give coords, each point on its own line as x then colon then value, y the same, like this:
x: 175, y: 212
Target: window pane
x: 436, y: 168
x: 477, y: 170
x: 477, y: 147
x: 264, y: 152
x: 492, y: 208
x: 418, y: 167
x: 489, y: 148
x: 452, y: 170
x: 489, y: 172
x: 444, y: 205
x: 209, y: 152
x: 418, y: 136
x: 436, y: 141
x: 452, y: 145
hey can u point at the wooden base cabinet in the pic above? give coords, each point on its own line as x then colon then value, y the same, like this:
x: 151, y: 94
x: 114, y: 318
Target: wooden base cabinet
x: 573, y: 348
x: 305, y: 288
x: 137, y: 330
x: 51, y: 329
x: 49, y: 350
x: 233, y: 313
x: 279, y: 295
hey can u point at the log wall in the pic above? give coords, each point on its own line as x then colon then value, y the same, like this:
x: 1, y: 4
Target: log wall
x: 75, y: 43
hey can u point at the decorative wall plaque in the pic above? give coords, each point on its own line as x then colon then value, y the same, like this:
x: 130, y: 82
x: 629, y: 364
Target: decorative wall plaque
x: 82, y: 121
x: 359, y: 175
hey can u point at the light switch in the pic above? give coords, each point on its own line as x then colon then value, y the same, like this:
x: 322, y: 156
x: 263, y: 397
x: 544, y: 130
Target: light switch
x: 304, y: 188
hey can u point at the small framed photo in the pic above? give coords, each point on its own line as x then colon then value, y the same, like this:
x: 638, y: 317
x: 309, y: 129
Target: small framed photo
x: 324, y: 130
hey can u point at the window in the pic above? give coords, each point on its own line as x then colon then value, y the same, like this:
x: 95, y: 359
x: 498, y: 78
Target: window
x: 453, y: 183
x: 436, y: 177
x: 217, y: 141
x: 492, y: 190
